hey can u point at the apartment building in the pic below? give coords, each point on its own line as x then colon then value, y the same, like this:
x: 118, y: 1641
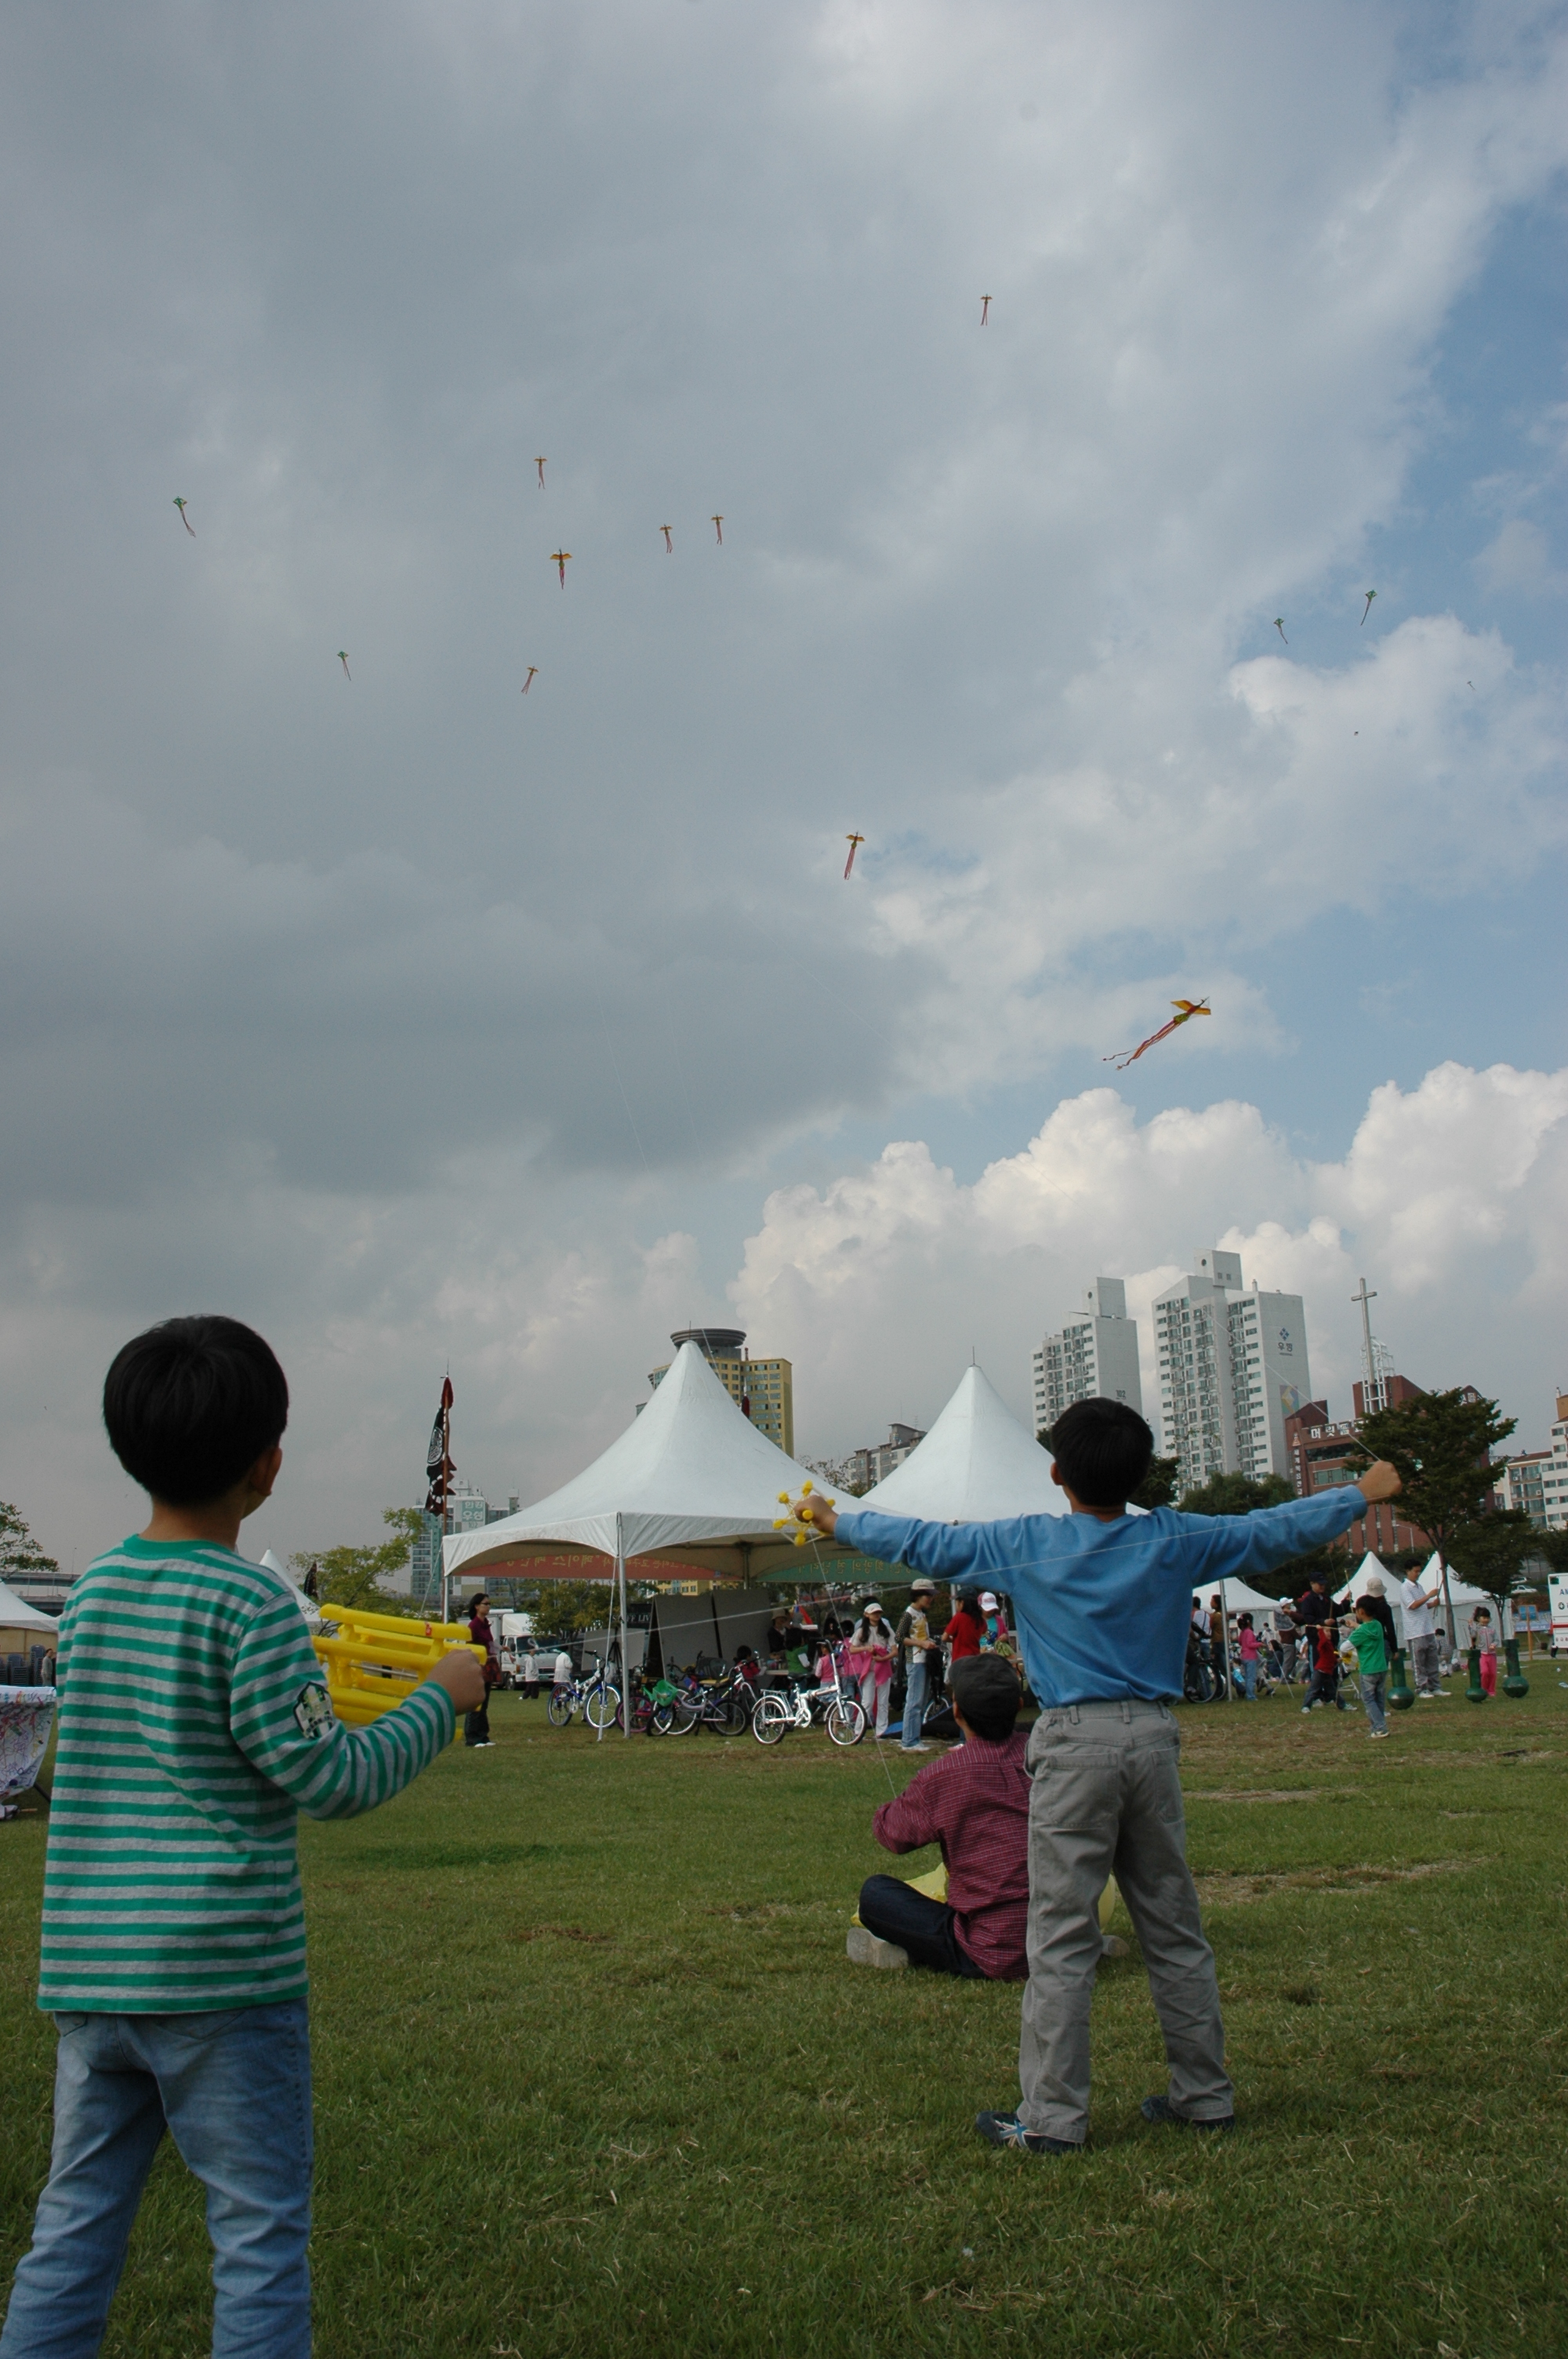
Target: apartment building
x: 1233, y: 1367
x: 1094, y: 1356
x: 762, y: 1389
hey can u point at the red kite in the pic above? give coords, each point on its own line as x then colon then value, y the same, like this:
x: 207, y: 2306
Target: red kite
x: 561, y: 559
x: 533, y: 668
x: 1188, y: 1007
x: 854, y: 843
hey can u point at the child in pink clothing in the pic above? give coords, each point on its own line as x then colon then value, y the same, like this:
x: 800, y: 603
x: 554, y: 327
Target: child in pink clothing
x: 1248, y: 1647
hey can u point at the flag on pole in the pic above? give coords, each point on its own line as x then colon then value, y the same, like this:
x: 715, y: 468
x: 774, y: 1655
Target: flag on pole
x: 438, y: 1467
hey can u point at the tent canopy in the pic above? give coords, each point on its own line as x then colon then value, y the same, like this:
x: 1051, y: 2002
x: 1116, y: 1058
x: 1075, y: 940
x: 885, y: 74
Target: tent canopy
x: 691, y: 1481
x: 16, y: 1614
x: 976, y: 1465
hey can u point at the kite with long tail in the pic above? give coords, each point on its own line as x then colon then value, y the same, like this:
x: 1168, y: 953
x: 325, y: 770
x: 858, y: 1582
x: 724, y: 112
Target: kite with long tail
x: 344, y: 659
x: 669, y: 544
x: 533, y: 674
x: 718, y: 528
x: 540, y: 464
x: 985, y: 308
x: 184, y: 520
x: 1366, y: 609
x: 1279, y: 626
x: 1187, y: 1009
x: 561, y: 559
x: 854, y: 843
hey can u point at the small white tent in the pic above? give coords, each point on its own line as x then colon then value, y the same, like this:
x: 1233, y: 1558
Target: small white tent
x: 692, y: 1482
x: 16, y: 1614
x: 976, y: 1465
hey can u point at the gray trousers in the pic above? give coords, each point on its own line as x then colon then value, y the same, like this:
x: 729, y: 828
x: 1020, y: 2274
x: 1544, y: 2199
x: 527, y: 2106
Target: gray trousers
x: 1106, y: 1799
x: 1424, y: 1662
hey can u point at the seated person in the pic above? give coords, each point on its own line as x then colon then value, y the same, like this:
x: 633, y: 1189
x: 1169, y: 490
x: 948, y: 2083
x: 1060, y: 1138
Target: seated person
x: 974, y: 1803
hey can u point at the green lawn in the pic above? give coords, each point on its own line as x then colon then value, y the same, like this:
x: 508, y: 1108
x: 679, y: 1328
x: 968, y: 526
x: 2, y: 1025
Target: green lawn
x: 594, y: 2075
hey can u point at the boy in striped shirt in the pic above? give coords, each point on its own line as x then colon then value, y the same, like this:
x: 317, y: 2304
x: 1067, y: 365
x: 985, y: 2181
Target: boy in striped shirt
x: 194, y: 1725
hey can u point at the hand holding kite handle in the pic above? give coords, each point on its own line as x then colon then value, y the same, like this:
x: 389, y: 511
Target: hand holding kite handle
x: 1380, y: 1481
x: 806, y: 1514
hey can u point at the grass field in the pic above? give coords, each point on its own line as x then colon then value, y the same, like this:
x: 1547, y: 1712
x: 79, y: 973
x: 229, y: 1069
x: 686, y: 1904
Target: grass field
x: 593, y: 2074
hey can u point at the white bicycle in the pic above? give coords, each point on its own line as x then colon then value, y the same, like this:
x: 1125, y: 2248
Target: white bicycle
x: 776, y: 1714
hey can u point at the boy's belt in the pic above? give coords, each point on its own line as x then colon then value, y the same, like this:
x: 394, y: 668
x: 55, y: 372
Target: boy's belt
x: 1124, y: 1708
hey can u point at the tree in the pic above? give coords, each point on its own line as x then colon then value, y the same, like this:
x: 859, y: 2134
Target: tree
x: 19, y: 1552
x: 1158, y: 1487
x: 354, y: 1576
x: 1441, y: 1445
x: 1492, y: 1550
x: 563, y: 1606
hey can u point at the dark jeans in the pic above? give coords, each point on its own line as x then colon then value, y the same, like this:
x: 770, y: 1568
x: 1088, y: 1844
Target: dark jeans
x: 476, y: 1724
x: 1323, y: 1688
x: 894, y: 1911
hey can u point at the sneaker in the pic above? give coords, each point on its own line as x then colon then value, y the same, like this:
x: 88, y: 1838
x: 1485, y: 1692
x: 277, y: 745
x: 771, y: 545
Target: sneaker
x: 1375, y: 1733
x: 869, y: 1948
x: 1006, y: 2129
x: 917, y: 1748
x: 1160, y: 2109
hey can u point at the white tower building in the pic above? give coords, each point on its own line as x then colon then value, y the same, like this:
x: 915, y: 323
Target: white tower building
x: 1233, y: 1367
x: 1095, y: 1356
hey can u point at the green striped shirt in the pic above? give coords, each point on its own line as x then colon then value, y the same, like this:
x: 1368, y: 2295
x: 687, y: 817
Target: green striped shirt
x: 193, y: 1727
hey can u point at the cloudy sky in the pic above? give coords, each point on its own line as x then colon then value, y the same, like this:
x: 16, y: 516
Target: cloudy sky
x: 419, y: 1022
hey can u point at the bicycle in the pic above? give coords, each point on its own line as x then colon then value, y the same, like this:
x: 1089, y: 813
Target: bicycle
x: 776, y: 1713
x: 724, y: 1704
x: 595, y: 1698
x: 654, y: 1705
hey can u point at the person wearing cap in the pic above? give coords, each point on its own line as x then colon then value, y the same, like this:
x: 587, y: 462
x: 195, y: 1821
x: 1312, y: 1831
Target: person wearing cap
x: 912, y: 1637
x: 973, y: 1802
x: 1377, y: 1597
x: 1103, y: 1601
x: 868, y: 1658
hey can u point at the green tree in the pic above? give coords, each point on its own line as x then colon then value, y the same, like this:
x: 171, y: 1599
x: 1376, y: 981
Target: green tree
x: 1158, y: 1487
x: 563, y: 1606
x: 1441, y: 1445
x: 354, y: 1576
x: 19, y: 1552
x: 1492, y: 1550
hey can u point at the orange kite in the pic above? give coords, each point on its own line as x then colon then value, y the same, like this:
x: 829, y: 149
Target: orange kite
x: 1187, y: 1010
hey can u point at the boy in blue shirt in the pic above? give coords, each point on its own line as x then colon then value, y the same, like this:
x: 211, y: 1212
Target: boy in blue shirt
x: 1102, y: 1602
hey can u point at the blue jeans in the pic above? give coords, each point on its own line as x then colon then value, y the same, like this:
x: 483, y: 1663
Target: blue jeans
x: 234, y: 2090
x: 1372, y: 1687
x: 1249, y: 1680
x: 914, y: 1726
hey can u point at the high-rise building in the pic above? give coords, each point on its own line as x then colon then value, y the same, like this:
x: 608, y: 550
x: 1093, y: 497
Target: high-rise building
x: 1233, y: 1367
x: 468, y: 1510
x: 864, y: 1468
x: 1536, y: 1481
x: 1094, y: 1356
x: 762, y: 1389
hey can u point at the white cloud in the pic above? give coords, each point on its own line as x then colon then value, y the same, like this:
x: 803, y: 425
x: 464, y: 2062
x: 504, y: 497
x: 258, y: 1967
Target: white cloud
x: 1449, y: 1199
x: 1518, y: 557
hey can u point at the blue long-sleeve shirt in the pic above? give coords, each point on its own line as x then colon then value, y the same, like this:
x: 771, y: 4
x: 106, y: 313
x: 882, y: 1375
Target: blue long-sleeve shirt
x: 1103, y: 1609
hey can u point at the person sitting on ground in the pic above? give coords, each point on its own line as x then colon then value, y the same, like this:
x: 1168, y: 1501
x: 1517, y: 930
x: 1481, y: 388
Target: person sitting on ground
x: 1102, y: 1599
x: 1372, y: 1662
x: 973, y: 1802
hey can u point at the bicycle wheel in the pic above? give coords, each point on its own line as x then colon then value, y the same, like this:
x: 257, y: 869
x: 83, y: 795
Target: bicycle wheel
x: 603, y: 1704
x: 846, y: 1721
x: 560, y: 1707
x: 771, y: 1718
x: 663, y: 1721
x: 686, y: 1715
x: 741, y: 1706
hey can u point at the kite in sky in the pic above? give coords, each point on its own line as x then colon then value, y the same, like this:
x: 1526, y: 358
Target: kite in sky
x: 1187, y: 1009
x: 561, y: 559
x: 854, y: 843
x: 718, y: 528
x: 669, y: 544
x: 1279, y: 626
x: 344, y: 659
x: 985, y: 308
x: 533, y: 670
x: 1368, y: 607
x: 540, y: 464
x: 184, y: 520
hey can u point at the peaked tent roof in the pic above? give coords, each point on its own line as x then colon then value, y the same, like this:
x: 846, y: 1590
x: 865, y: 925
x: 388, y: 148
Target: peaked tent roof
x: 975, y: 1465
x: 691, y: 1480
x: 16, y: 1614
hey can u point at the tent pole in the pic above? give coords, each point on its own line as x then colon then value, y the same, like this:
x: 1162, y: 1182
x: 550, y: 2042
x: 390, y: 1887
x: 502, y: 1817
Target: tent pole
x: 625, y: 1664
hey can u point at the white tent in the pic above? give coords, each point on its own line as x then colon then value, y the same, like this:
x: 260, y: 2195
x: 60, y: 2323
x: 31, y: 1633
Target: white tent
x: 16, y: 1614
x: 295, y: 1581
x: 976, y: 1465
x: 691, y: 1482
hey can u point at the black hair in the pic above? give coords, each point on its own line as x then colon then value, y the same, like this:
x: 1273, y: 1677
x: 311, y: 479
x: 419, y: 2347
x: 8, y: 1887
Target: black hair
x: 1244, y: 1622
x: 190, y: 1405
x: 1104, y: 1450
x: 985, y: 1690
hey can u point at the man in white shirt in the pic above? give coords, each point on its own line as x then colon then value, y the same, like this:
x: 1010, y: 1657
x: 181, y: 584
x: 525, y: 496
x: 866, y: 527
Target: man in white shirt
x: 1420, y: 1633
